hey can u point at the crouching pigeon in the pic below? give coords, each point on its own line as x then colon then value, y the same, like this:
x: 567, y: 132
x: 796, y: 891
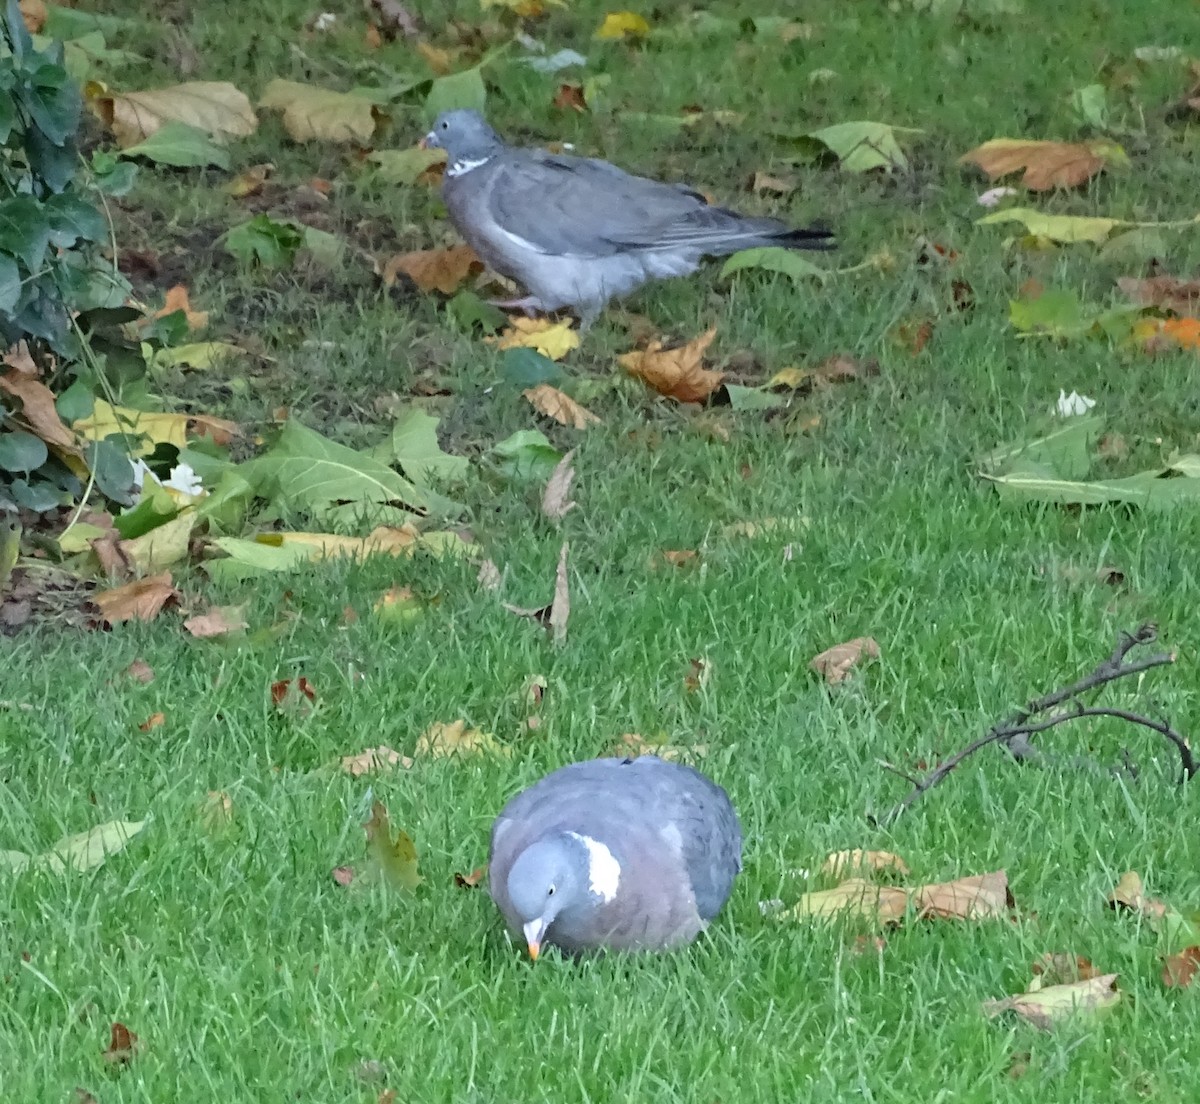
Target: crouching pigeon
x: 628, y: 854
x: 577, y: 232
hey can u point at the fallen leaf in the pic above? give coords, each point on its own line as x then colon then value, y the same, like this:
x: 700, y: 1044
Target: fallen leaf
x: 862, y: 145
x: 1061, y: 969
x: 250, y: 181
x: 394, y: 19
x: 293, y: 697
x: 374, y: 759
x: 777, y: 185
x: 631, y: 745
x: 1065, y: 229
x: 444, y: 270
x: 141, y: 600
x: 441, y: 740
x: 152, y: 722
x: 1171, y: 293
x: 526, y: 9
x: 470, y: 881
x: 439, y: 60
x: 975, y: 898
x: 34, y: 15
x: 1156, y: 334
x: 560, y: 607
x: 82, y: 1096
x: 217, y: 108
x: 699, y: 672
x: 1129, y: 893
x: 623, y: 24
x: 836, y: 663
x: 1180, y: 969
x: 840, y: 367
x: 216, y: 811
x: 343, y: 875
x: 311, y: 113
x: 842, y: 863
x: 19, y: 357
x: 678, y: 373
x: 1045, y: 165
x: 777, y: 525
x: 140, y: 671
x: 674, y: 557
x: 1048, y: 1007
x: 216, y: 621
x: 561, y: 407
x: 395, y: 859
x: 857, y: 897
x: 399, y: 604
x: 38, y: 410
x: 569, y: 97
x: 556, y: 499
x: 489, y: 577
x: 551, y: 339
x: 123, y: 1046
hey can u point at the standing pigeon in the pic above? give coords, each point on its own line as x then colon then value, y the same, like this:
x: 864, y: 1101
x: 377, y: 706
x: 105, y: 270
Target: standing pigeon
x: 630, y: 854
x: 577, y: 232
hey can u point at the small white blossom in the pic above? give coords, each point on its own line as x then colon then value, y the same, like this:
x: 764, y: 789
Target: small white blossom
x: 993, y: 196
x: 1070, y: 405
x: 184, y: 480
x: 324, y: 21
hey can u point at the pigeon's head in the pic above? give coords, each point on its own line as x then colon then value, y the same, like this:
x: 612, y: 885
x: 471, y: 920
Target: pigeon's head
x: 564, y: 873
x: 464, y: 135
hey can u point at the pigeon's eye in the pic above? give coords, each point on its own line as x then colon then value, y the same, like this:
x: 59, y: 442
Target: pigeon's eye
x: 445, y: 125
x: 550, y: 892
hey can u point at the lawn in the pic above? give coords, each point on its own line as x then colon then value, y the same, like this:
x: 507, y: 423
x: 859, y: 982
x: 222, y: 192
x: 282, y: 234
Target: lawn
x: 224, y: 942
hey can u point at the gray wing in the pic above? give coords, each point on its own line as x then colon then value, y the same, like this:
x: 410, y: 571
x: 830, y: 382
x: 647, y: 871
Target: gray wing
x: 574, y: 206
x: 711, y: 843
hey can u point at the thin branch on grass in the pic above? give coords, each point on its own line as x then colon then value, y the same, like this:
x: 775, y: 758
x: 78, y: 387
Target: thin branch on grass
x: 1015, y: 730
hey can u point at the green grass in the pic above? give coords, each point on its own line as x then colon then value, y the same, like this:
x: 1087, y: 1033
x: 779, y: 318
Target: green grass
x: 249, y: 974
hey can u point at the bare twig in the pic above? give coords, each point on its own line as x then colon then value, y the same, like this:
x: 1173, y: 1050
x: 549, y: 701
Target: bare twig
x: 1015, y: 730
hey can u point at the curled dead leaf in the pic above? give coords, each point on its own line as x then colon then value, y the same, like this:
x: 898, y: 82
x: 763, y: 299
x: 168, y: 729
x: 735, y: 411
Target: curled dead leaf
x: 839, y: 864
x: 374, y: 759
x: 472, y: 880
x: 441, y: 740
x: 678, y: 373
x: 444, y: 270
x: 835, y: 664
x: 561, y: 407
x: 556, y: 499
x: 1047, y: 1008
x: 152, y: 722
x: 215, y: 107
x: 1046, y: 165
x: 141, y: 600
x: 216, y: 621
x: 123, y: 1046
x: 978, y: 897
x: 1179, y: 970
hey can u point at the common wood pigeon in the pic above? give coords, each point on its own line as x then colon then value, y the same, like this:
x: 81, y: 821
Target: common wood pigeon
x: 623, y: 854
x: 577, y: 232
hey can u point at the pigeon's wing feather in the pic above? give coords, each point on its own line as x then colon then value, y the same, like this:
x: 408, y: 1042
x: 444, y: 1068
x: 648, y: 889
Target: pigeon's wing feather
x: 711, y: 843
x: 575, y: 206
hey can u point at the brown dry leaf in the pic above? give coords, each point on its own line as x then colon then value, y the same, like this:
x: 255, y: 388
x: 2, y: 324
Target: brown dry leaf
x: 569, y: 97
x: 842, y: 863
x: 123, y: 1046
x: 19, y: 357
x: 559, y: 406
x: 441, y: 740
x: 835, y: 664
x: 177, y: 300
x: 140, y: 671
x: 293, y: 697
x: 778, y: 185
x: 444, y: 270
x: 216, y: 811
x: 975, y: 898
x: 1180, y: 969
x: 1129, y: 893
x: 34, y: 14
x: 699, y: 672
x: 374, y: 759
x: 1046, y: 165
x: 1061, y: 969
x: 914, y: 336
x: 840, y: 367
x: 1047, y: 1008
x: 470, y: 881
x: 439, y: 60
x: 152, y: 722
x: 141, y: 600
x: 678, y: 373
x: 675, y: 557
x: 343, y: 875
x: 632, y: 744
x: 216, y: 621
x: 250, y: 181
x: 556, y: 499
x: 215, y: 107
x: 38, y: 410
x: 881, y: 903
x: 864, y: 943
x: 560, y: 607
x: 1162, y: 334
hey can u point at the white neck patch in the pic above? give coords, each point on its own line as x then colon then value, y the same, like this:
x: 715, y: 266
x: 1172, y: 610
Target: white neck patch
x: 461, y: 168
x: 604, y: 872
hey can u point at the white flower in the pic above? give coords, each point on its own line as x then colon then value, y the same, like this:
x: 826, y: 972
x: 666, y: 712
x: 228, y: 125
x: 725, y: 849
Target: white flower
x: 140, y: 470
x: 184, y: 480
x: 993, y: 196
x: 324, y: 21
x: 1072, y: 404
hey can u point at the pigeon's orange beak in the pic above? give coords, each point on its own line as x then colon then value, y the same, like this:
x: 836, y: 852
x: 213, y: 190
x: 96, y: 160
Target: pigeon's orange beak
x: 534, y: 950
x: 534, y: 931
x: 427, y: 142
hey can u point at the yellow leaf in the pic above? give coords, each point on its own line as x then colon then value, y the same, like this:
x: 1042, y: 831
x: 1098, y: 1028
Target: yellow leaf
x: 623, y: 24
x: 884, y: 904
x: 380, y: 758
x: 562, y: 408
x: 551, y: 339
x: 677, y: 373
x: 311, y: 113
x: 841, y: 863
x: 442, y: 740
x: 791, y: 377
x: 526, y: 9
x: 250, y: 181
x: 152, y: 427
x: 1048, y: 1007
x: 1067, y: 229
x: 162, y: 546
x: 215, y: 107
x: 384, y: 540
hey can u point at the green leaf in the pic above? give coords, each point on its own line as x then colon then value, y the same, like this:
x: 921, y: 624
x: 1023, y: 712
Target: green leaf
x: 264, y: 241
x: 404, y: 166
x: 773, y: 258
x: 465, y: 89
x: 24, y: 230
x: 862, y: 146
x: 156, y: 508
x: 413, y: 445
x: 67, y: 23
x: 325, y: 248
x: 1090, y: 103
x: 394, y: 859
x: 10, y: 284
x: 1066, y: 450
x: 225, y: 506
x: 110, y: 464
x: 17, y: 35
x: 54, y: 164
x: 249, y: 559
x: 51, y: 98
x: 8, y: 111
x: 752, y: 398
x: 181, y: 146
x: 38, y: 496
x: 1164, y: 489
x: 10, y: 547
x: 72, y: 218
x: 21, y: 451
x: 332, y: 482
x: 524, y: 367
x: 88, y: 850
x: 111, y: 175
x: 1066, y: 229
x: 1056, y: 312
x: 468, y: 311
x: 75, y: 403
x: 526, y: 455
